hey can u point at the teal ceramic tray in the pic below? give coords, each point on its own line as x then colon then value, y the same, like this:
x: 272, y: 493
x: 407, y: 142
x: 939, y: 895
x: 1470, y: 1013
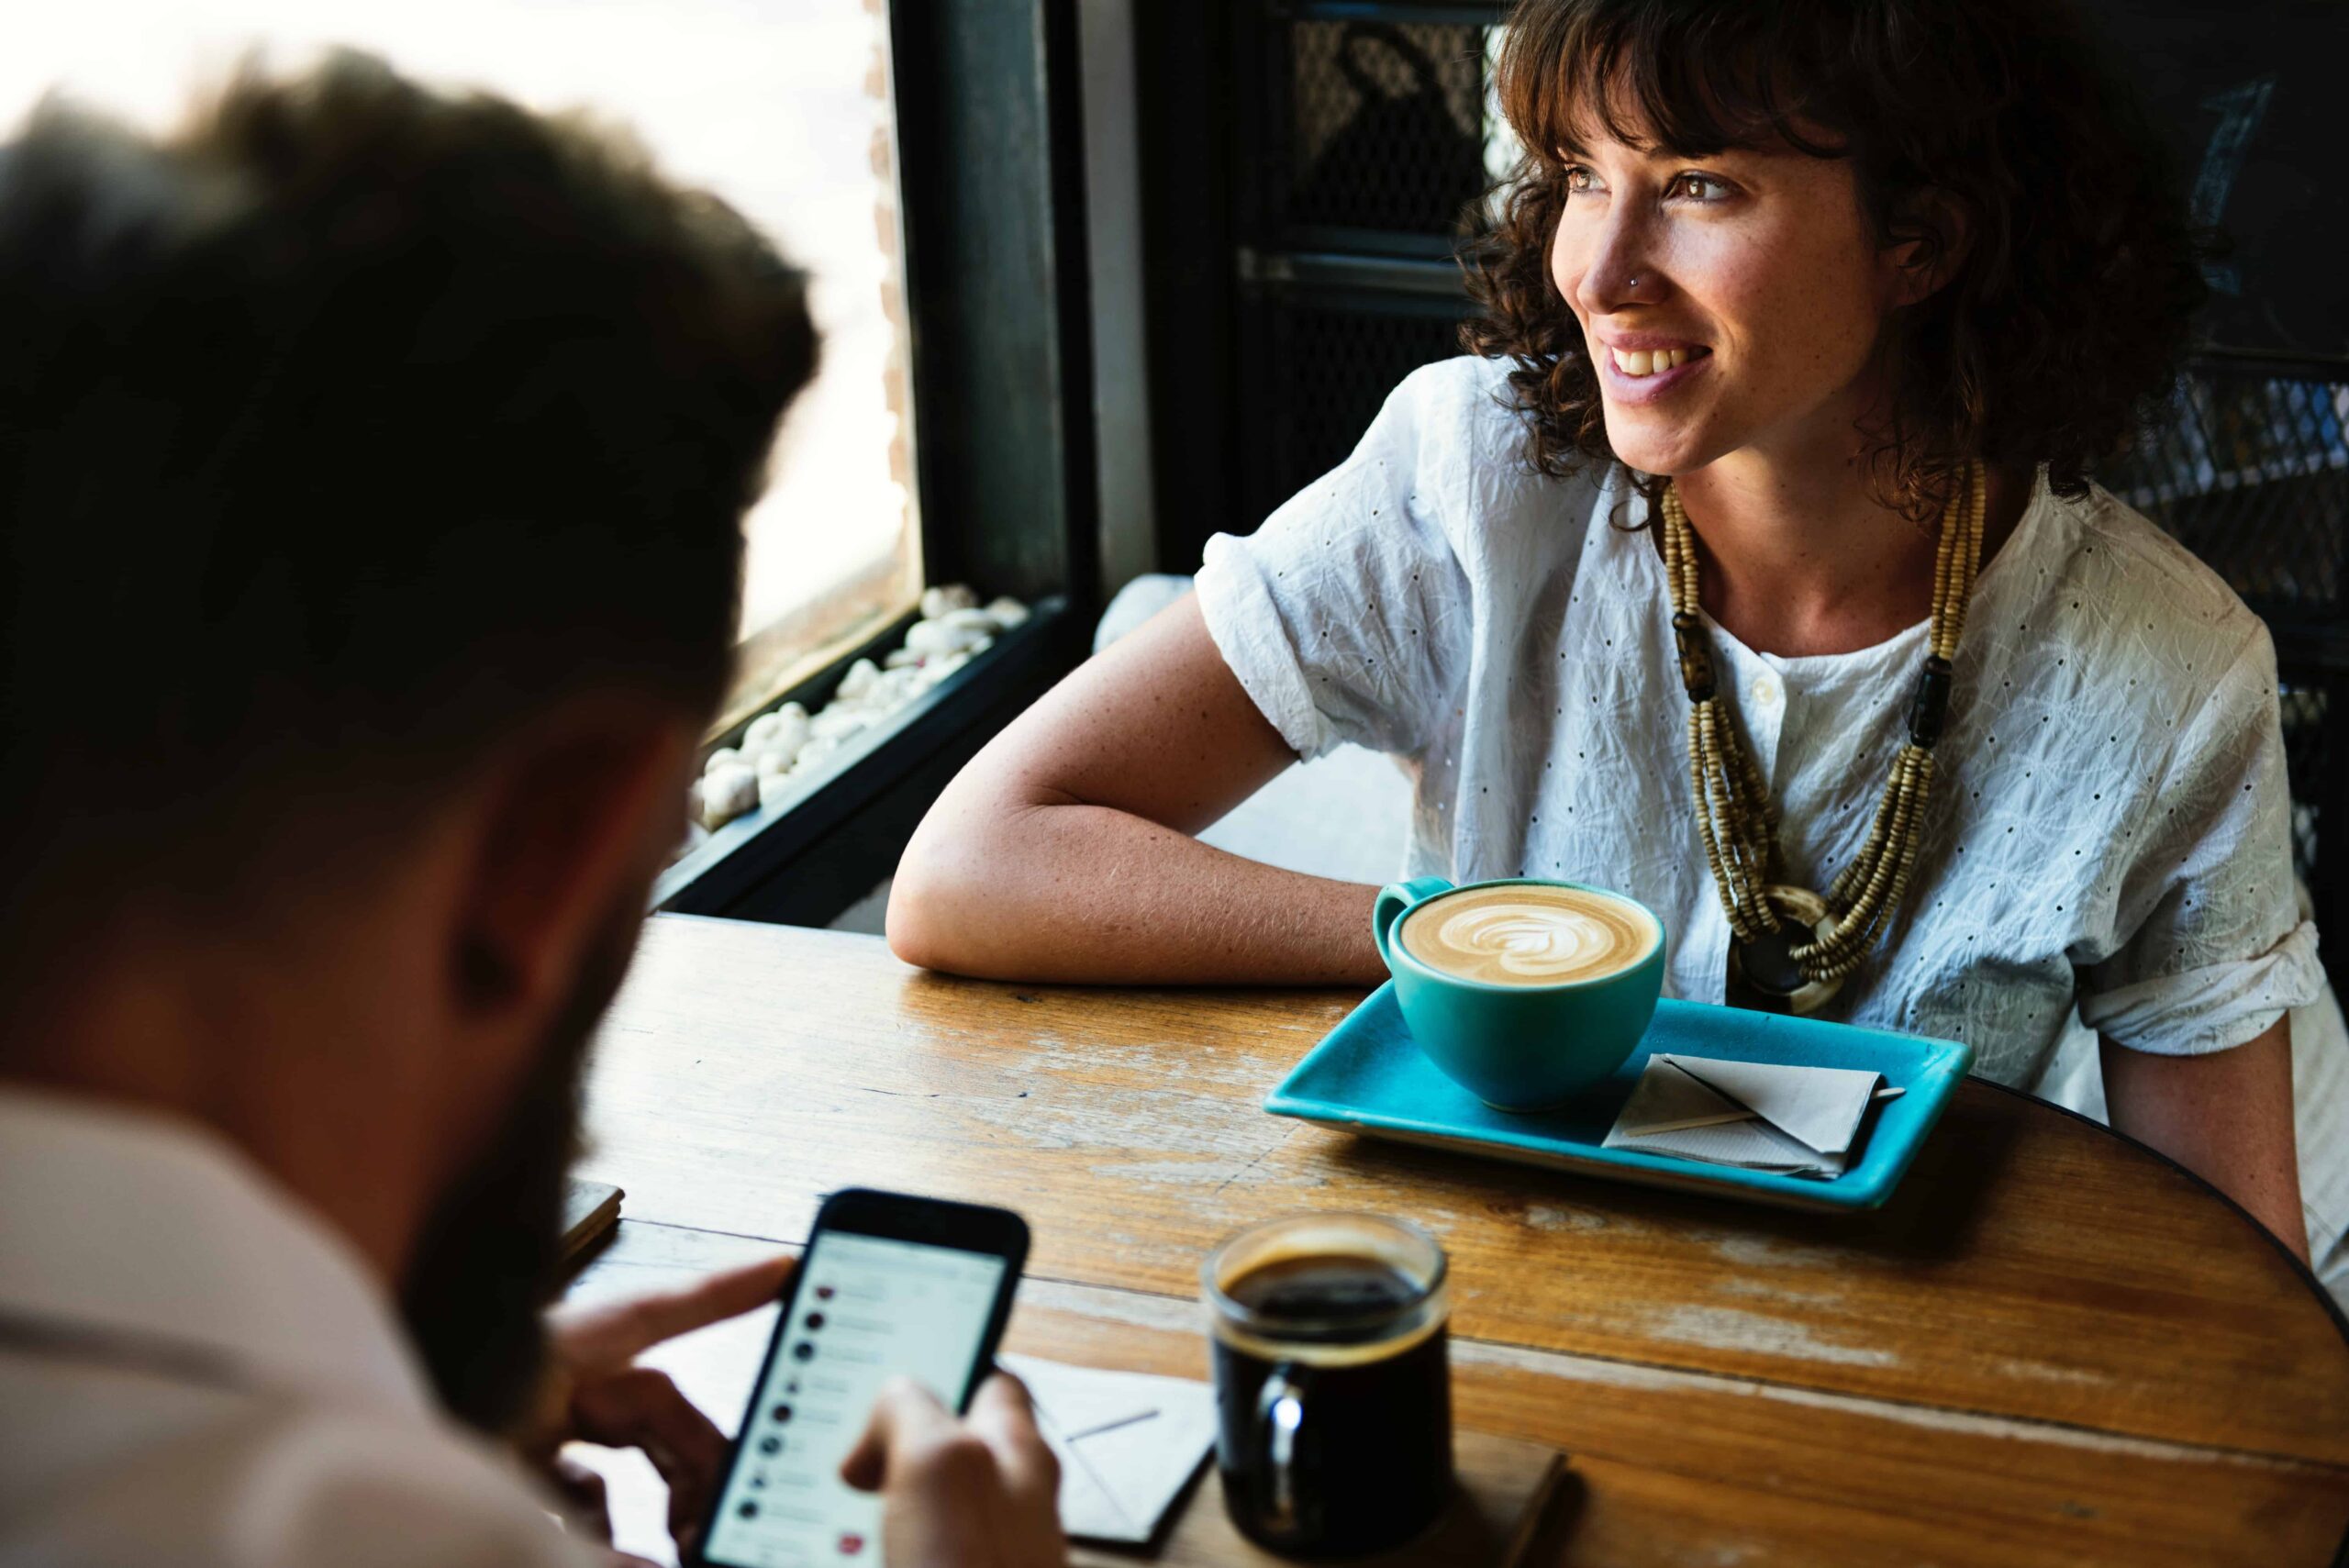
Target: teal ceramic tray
x: 1368, y: 1077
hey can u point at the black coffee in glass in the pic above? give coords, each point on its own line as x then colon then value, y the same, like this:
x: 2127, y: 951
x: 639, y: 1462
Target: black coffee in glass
x: 1332, y: 1391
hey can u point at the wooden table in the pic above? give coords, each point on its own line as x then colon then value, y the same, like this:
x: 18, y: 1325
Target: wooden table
x: 2052, y: 1346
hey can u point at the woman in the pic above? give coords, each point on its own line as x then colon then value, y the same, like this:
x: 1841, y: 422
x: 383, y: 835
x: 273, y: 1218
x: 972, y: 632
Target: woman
x: 1798, y: 315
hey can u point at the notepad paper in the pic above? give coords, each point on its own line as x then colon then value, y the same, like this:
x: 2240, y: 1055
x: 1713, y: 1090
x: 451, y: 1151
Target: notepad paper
x: 1127, y: 1443
x: 1804, y: 1124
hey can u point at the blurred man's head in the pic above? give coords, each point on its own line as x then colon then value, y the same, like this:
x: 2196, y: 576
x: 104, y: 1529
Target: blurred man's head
x: 372, y: 468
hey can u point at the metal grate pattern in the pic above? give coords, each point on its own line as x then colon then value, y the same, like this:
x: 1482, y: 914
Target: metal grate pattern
x: 2251, y: 473
x: 1326, y: 374
x: 2309, y: 755
x: 1385, y: 126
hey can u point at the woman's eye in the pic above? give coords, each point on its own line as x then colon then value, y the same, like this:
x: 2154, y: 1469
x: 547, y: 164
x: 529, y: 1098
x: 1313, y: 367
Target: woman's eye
x: 1696, y: 188
x: 1580, y: 179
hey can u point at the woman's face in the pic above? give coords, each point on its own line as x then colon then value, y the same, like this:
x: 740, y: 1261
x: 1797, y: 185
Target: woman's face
x: 1756, y: 269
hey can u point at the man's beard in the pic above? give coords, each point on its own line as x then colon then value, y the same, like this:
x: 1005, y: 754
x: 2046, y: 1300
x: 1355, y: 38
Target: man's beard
x: 488, y: 1259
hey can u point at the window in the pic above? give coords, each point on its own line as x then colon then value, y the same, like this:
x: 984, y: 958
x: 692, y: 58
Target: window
x: 924, y: 163
x: 780, y: 108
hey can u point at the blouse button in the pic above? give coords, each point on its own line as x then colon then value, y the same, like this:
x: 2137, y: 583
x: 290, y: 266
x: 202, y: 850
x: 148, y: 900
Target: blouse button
x: 1767, y: 691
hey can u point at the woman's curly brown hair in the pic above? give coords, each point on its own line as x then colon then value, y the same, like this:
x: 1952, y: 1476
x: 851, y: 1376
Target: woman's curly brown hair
x: 2062, y: 325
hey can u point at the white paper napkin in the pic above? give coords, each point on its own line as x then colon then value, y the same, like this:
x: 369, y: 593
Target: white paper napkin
x: 1127, y: 1443
x: 1805, y: 1120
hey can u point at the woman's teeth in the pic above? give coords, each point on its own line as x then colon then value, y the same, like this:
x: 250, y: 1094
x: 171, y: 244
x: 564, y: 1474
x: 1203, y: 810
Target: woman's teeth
x: 1641, y: 361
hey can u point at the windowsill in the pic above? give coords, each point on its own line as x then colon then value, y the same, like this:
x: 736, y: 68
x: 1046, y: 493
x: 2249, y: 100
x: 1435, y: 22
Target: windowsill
x: 751, y: 848
x: 802, y: 648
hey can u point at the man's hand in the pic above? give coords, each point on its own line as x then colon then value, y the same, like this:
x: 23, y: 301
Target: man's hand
x: 980, y: 1493
x: 596, y: 1393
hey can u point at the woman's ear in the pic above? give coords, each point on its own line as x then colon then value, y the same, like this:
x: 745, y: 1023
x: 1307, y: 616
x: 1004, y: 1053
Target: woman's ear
x: 1930, y: 236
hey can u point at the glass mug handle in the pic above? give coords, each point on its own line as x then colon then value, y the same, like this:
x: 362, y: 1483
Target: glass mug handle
x: 1394, y: 899
x: 1280, y: 1413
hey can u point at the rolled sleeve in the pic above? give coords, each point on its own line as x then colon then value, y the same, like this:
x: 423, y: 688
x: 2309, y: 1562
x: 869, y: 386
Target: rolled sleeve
x: 1345, y: 616
x: 2217, y: 951
x: 1252, y: 634
x: 2215, y: 1007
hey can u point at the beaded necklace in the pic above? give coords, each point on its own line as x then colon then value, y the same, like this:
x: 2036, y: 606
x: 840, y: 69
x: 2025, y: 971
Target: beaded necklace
x: 1793, y: 945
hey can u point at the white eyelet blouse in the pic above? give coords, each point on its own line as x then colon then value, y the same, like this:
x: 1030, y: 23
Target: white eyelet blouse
x: 2109, y: 824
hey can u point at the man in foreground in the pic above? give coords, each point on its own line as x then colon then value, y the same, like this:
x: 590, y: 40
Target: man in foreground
x: 371, y: 467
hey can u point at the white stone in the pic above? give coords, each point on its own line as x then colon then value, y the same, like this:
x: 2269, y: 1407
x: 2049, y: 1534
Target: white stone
x: 936, y: 602
x: 858, y: 681
x: 976, y: 620
x: 930, y: 639
x: 774, y: 761
x: 896, y: 689
x: 723, y: 758
x: 727, y: 795
x: 835, y: 722
x: 772, y: 789
x: 1008, y: 612
x: 795, y: 732
x: 902, y: 657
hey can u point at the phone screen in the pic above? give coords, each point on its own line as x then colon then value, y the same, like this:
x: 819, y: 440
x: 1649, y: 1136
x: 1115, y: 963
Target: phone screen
x: 865, y: 1308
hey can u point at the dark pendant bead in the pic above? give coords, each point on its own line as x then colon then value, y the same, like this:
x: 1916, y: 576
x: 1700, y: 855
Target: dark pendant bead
x: 1768, y: 963
x: 1696, y: 659
x: 1930, y: 708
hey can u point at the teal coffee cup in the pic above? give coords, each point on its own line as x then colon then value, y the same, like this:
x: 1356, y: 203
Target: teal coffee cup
x: 1522, y: 990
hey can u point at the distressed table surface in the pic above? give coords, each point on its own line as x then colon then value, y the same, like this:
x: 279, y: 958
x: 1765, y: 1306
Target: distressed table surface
x: 2052, y: 1346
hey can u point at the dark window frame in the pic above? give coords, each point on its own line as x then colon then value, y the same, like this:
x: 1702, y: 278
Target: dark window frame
x: 991, y: 199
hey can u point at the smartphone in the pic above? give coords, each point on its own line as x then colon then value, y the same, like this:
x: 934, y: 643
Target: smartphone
x: 890, y: 1285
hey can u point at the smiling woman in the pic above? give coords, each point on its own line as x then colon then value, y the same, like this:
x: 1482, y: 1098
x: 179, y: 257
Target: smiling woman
x: 1851, y: 299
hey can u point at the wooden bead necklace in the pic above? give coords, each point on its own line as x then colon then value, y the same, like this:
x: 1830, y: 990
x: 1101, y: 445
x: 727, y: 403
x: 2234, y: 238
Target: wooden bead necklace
x: 1791, y: 945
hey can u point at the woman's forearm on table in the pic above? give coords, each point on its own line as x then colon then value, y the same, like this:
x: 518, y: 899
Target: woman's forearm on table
x: 1064, y: 850
x: 1092, y: 895
x: 2226, y: 1117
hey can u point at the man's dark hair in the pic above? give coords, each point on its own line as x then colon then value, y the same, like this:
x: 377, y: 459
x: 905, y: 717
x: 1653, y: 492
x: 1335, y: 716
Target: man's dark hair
x: 2061, y: 326
x: 340, y: 431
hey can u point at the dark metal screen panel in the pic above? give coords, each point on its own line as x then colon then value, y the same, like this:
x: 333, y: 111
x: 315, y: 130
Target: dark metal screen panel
x: 2250, y: 470
x: 1315, y: 369
x: 1369, y: 132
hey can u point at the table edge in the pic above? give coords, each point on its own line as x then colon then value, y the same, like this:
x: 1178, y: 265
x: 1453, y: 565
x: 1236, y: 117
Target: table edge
x: 2324, y: 1299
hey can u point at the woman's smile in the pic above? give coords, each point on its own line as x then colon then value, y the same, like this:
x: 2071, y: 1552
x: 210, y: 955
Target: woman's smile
x: 1646, y: 367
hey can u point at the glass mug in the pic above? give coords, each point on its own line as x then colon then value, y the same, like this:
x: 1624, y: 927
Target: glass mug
x: 1333, y: 1393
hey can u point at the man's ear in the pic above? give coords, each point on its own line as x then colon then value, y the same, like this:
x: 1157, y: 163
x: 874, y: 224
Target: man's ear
x: 573, y: 821
x: 1934, y: 237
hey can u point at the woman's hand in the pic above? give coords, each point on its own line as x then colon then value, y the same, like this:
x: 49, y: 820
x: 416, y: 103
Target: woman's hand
x: 596, y: 1394
x: 979, y: 1493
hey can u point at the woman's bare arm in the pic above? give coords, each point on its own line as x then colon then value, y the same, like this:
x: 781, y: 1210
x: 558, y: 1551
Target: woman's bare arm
x: 2226, y: 1117
x: 1063, y: 852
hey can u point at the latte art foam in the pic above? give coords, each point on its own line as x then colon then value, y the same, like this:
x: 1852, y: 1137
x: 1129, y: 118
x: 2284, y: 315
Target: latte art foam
x: 1527, y: 934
